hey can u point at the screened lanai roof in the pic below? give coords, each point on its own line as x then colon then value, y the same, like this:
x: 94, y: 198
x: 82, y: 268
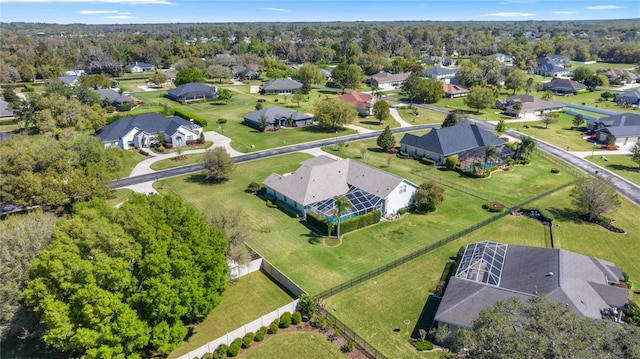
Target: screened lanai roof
x: 362, y: 202
x: 482, y: 262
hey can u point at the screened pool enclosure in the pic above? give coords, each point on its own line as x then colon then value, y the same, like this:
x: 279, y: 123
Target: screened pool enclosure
x: 362, y: 202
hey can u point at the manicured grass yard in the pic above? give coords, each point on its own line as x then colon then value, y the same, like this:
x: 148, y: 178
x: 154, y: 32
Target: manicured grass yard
x: 119, y: 195
x: 591, y: 99
x: 604, y: 66
x: 302, y: 345
x: 560, y: 133
x: 246, y: 299
x: 622, y: 165
x: 424, y: 116
x: 171, y: 162
x: 130, y: 158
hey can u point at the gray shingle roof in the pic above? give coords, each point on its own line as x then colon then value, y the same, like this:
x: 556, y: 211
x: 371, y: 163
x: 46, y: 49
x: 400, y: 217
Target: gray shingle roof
x: 448, y: 141
x: 530, y: 103
x: 281, y: 84
x: 194, y: 89
x: 5, y: 110
x: 439, y: 71
x: 273, y: 113
x: 148, y: 122
x: 624, y: 124
x: 583, y: 283
x: 321, y: 178
x: 383, y: 77
x: 559, y: 83
x: 114, y: 95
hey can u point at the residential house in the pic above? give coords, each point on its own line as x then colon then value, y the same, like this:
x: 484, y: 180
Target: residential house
x: 629, y: 97
x: 444, y: 74
x: 452, y: 91
x: 621, y: 77
x: 489, y: 272
x: 363, y: 102
x: 505, y: 59
x: 141, y: 131
x: 193, y: 92
x: 531, y: 106
x: 111, y: 97
x: 277, y: 117
x: 140, y: 67
x: 552, y: 66
x: 439, y: 60
x: 387, y: 81
x: 313, y: 186
x: 466, y: 141
x: 326, y: 74
x: 244, y: 73
x: 71, y: 80
x: 5, y: 109
x: 563, y: 87
x: 625, y: 127
x: 280, y: 86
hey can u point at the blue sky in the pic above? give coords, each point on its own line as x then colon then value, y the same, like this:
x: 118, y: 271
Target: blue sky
x: 184, y: 11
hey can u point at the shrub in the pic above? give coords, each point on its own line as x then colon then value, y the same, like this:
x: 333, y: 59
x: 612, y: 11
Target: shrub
x: 109, y: 109
x: 422, y: 345
x: 273, y: 327
x: 285, y: 320
x: 125, y: 107
x: 221, y: 120
x: 320, y: 322
x: 259, y: 106
x: 143, y: 152
x: 197, y: 119
x: 288, y: 209
x: 207, y: 356
x: 29, y: 88
x: 319, y: 223
x: 234, y: 348
x: 271, y: 205
x: 221, y: 351
x: 253, y: 187
x: 349, y: 346
x: 555, y: 170
x: 308, y: 304
x: 427, y: 161
x: 403, y: 210
x: 402, y: 155
x: 451, y: 162
x: 492, y: 206
x: 362, y: 221
x: 260, y: 334
x: 296, y: 318
x: 247, y: 340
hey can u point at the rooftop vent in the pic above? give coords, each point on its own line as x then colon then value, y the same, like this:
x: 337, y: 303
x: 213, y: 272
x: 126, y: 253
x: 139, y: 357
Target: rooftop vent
x: 549, y: 274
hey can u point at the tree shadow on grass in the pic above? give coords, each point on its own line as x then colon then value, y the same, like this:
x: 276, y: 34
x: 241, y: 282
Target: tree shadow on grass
x: 370, y: 123
x: 617, y: 167
x: 427, y: 316
x: 566, y: 214
x: 200, y: 178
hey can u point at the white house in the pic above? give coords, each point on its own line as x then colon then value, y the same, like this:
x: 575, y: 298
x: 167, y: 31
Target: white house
x: 387, y: 81
x: 313, y: 186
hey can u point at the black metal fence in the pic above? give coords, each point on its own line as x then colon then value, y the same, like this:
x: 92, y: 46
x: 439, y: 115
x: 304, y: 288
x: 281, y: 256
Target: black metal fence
x: 560, y: 163
x: 332, y: 320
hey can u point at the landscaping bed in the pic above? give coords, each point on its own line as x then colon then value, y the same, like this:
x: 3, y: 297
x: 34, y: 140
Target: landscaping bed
x: 602, y: 223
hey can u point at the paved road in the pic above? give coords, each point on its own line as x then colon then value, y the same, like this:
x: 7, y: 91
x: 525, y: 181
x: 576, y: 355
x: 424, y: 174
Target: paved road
x: 259, y: 155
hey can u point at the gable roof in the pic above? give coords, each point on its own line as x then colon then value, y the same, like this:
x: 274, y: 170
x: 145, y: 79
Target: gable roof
x: 142, y: 65
x: 616, y: 73
x: 358, y: 99
x: 114, y: 95
x: 148, y: 122
x: 5, y: 110
x: 276, y: 113
x: 559, y: 83
x: 322, y: 178
x: 621, y: 125
x: 384, y: 77
x: 583, y: 283
x: 189, y: 89
x: 530, y: 103
x: 440, y: 71
x: 281, y: 84
x: 448, y: 141
x: 633, y: 95
x: 454, y: 89
x: 69, y: 80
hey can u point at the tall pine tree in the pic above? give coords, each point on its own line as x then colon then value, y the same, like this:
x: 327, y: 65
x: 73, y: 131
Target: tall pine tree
x: 386, y: 141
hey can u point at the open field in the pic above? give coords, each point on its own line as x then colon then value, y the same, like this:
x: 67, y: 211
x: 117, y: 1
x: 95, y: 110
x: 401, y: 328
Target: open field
x: 622, y: 165
x: 592, y: 99
x: 604, y: 66
x: 424, y: 116
x: 171, y: 162
x: 302, y: 345
x: 246, y: 299
x: 561, y: 133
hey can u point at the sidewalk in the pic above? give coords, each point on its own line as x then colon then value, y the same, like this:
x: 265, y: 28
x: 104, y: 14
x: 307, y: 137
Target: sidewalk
x: 396, y: 116
x: 359, y: 129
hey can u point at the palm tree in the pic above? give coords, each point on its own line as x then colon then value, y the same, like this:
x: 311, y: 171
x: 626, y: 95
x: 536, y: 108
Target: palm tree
x: 342, y: 205
x: 489, y: 152
x: 527, y: 145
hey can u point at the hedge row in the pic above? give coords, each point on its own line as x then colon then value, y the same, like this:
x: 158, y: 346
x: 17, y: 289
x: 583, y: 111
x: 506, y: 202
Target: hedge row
x: 364, y: 220
x: 319, y: 223
x: 286, y: 208
x: 199, y: 120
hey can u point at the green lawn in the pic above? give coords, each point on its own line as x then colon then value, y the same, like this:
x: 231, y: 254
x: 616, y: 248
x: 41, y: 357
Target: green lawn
x: 622, y: 165
x: 301, y: 345
x: 604, y: 66
x: 560, y: 133
x: 424, y: 116
x: 119, y: 195
x: 246, y: 299
x: 591, y: 99
x: 173, y: 162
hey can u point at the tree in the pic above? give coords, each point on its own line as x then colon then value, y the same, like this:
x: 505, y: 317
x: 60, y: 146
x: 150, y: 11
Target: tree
x: 581, y: 74
x: 219, y: 72
x: 411, y: 87
x: 95, y: 81
x: 548, y: 95
x: 526, y: 147
x: 489, y: 152
x: 159, y: 78
x: 451, y: 162
x: 231, y: 223
x: 501, y: 127
x: 539, y: 328
x: 347, y: 76
x: 516, y: 80
x: 218, y: 165
x: 480, y: 98
x: 309, y: 74
x: 188, y: 75
x: 453, y: 118
x: 596, y: 80
x: 428, y: 196
x: 224, y: 95
x: 126, y: 282
x: 264, y: 122
x: 595, y: 196
x: 342, y: 205
x: 381, y: 110
x: 308, y: 304
x: 549, y: 118
x: 298, y: 97
x: 530, y: 85
x: 333, y: 113
x: 468, y: 73
x: 635, y: 153
x: 578, y: 120
x: 429, y: 91
x: 386, y: 141
x: 607, y: 95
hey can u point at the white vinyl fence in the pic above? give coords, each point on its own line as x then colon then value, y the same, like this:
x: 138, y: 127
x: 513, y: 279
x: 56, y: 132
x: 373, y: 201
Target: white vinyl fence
x: 253, y: 327
x: 237, y: 271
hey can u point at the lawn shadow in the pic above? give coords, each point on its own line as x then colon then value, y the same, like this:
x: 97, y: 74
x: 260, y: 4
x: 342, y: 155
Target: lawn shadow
x: 370, y: 123
x: 330, y: 92
x: 427, y: 316
x: 375, y: 149
x: 313, y: 236
x: 200, y: 178
x: 566, y: 214
x: 618, y: 167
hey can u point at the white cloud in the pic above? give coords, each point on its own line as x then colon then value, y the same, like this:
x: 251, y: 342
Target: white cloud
x: 510, y: 14
x: 604, y: 7
x: 128, y: 2
x: 564, y: 12
x: 120, y: 17
x: 275, y: 9
x: 96, y: 12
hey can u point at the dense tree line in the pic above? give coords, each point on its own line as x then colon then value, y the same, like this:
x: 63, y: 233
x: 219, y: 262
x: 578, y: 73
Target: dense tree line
x: 125, y: 282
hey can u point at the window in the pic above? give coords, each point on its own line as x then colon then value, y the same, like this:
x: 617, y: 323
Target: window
x: 190, y: 138
x: 403, y: 188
